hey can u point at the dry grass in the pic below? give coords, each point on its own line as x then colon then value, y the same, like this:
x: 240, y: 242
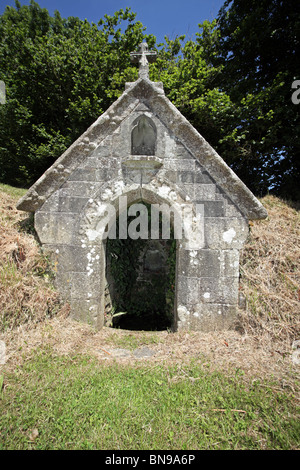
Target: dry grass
x: 26, y: 294
x: 270, y: 268
x: 261, y: 347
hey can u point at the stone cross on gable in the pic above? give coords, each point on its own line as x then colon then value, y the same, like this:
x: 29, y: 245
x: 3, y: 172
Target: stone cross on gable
x: 143, y: 57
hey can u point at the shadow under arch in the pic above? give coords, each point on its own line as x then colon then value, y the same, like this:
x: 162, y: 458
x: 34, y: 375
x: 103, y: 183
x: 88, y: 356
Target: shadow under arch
x: 140, y: 273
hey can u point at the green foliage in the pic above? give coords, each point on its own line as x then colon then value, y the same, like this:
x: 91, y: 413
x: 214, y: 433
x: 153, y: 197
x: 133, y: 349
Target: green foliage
x: 258, y: 48
x: 17, y: 193
x: 123, y: 260
x: 225, y: 84
x: 233, y: 83
x: 60, y: 75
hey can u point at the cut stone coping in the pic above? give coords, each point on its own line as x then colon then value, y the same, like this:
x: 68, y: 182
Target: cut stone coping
x: 143, y: 162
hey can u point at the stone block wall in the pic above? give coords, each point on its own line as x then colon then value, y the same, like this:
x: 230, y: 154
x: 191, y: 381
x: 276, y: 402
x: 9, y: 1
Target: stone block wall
x: 70, y: 223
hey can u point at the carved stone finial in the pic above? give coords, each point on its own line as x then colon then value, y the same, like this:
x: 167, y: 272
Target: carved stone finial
x: 143, y: 57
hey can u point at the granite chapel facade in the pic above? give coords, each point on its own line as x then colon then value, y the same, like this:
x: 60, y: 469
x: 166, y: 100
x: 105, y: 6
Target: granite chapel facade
x: 143, y: 149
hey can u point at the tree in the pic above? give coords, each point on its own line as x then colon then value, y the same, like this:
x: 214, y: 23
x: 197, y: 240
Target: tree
x: 60, y: 75
x: 233, y: 83
x: 258, y: 48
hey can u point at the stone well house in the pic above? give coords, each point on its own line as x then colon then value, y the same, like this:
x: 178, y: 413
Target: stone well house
x: 142, y: 148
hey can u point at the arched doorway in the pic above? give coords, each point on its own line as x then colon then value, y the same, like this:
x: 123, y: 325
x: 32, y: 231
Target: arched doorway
x: 140, y: 274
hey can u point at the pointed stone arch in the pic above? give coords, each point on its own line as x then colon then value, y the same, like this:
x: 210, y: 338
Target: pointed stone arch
x: 95, y: 224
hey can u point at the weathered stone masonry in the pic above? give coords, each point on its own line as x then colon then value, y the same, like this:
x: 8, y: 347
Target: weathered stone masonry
x: 71, y: 198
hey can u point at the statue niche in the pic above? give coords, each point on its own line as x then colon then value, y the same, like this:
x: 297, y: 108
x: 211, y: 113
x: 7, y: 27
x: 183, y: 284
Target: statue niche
x: 143, y: 136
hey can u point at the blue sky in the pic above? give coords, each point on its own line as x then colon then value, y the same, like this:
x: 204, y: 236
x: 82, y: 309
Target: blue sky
x: 161, y: 17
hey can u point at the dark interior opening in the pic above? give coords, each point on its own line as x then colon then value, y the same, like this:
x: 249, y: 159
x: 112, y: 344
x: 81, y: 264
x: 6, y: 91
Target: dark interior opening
x: 140, y: 277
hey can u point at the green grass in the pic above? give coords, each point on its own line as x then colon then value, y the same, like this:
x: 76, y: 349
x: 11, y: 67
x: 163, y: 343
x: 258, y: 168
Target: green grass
x: 12, y: 191
x: 77, y: 403
x: 10, y: 276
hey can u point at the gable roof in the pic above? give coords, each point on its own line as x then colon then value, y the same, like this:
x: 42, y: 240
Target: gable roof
x: 153, y: 94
